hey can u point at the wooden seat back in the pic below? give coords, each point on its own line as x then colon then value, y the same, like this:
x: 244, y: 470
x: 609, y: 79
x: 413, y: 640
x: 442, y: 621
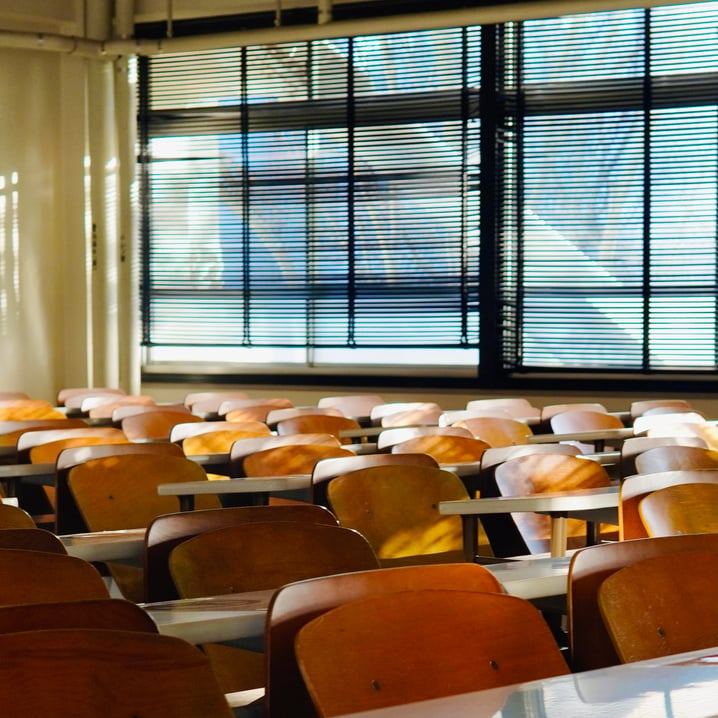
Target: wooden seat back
x: 682, y: 509
x: 446, y: 449
x: 662, y: 605
x: 295, y: 604
x: 14, y: 517
x: 589, y: 644
x: 402, y: 647
x: 396, y: 509
x: 166, y: 532
x: 290, y: 459
x: 31, y: 539
x: 91, y: 672
x: 674, y: 457
x: 318, y: 424
x: 497, y: 431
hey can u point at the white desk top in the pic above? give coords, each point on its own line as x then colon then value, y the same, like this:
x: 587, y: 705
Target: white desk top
x: 575, y: 502
x: 533, y: 577
x: 247, y: 485
x: 214, y: 618
x: 126, y: 546
x: 684, y: 685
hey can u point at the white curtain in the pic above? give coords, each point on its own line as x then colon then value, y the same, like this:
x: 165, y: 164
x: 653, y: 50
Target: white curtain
x: 67, y: 310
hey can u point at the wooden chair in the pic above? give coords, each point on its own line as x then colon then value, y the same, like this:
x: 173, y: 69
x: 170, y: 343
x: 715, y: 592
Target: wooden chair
x: 423, y: 409
x: 166, y: 532
x: 256, y: 556
x: 423, y: 415
x: 181, y: 432
x: 550, y: 410
x: 104, y: 408
x: 356, y: 406
x: 668, y: 424
x: 662, y: 605
x: 389, y: 438
x: 501, y: 531
x: 635, y: 488
x: 68, y: 392
x: 577, y: 420
x: 91, y: 672
x: 682, y: 509
x: 590, y: 645
x: 395, y: 508
x: 295, y: 604
x: 252, y: 409
x: 68, y: 518
x: 318, y: 424
x: 444, y: 448
x: 675, y: 457
x: 210, y: 401
x: 43, y: 576
x: 635, y: 445
x: 31, y: 539
x: 155, y: 424
x: 638, y: 408
x: 80, y: 404
x: 450, y: 417
x: 112, y: 613
x: 12, y: 395
x: 10, y: 431
x: 540, y: 473
x: 497, y: 431
x: 327, y: 469
x: 44, y: 446
x: 25, y: 409
x: 120, y: 492
x: 517, y: 407
x: 290, y: 459
x: 403, y: 647
x: 13, y: 517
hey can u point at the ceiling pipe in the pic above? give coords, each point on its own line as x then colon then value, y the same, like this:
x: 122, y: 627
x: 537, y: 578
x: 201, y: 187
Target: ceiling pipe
x: 480, y: 15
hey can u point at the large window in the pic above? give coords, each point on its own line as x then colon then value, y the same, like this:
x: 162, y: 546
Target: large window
x: 324, y: 205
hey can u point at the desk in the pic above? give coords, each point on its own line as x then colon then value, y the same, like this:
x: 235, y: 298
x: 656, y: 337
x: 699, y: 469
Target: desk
x: 212, y: 619
x: 684, y: 685
x: 12, y: 474
x: 258, y: 486
x: 533, y: 577
x: 125, y: 546
x: 599, y: 437
x: 599, y: 505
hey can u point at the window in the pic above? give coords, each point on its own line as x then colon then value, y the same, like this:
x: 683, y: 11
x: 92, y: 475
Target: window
x: 322, y: 206
x: 314, y: 204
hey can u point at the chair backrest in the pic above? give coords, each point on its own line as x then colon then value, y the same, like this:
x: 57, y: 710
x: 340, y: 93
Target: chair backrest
x: 23, y: 409
x: 29, y: 444
x: 155, y: 424
x: 398, y: 434
x: 120, y: 492
x: 73, y: 391
x: 635, y: 445
x: 426, y: 415
x: 541, y: 473
x: 31, y: 539
x: 396, y: 509
x: 662, y: 605
x: 166, y: 532
x: 10, y: 431
x: 635, y: 488
x: 446, y: 449
x: 637, y: 408
x: 261, y: 555
x: 379, y: 411
x: 666, y: 424
x: 518, y: 407
x: 282, y: 413
x: 318, y: 424
x: 104, y: 407
x: 256, y: 409
x: 43, y: 576
x: 327, y: 469
x: 402, y: 647
x: 589, y: 644
x: 244, y: 447
x: 357, y: 406
x: 220, y: 441
x: 67, y: 516
x: 215, y: 397
x: 112, y: 673
x: 683, y: 509
x: 295, y: 604
x: 112, y: 613
x: 14, y: 517
x: 497, y: 431
x: 181, y: 432
x: 291, y: 459
x: 675, y: 457
x: 567, y: 422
